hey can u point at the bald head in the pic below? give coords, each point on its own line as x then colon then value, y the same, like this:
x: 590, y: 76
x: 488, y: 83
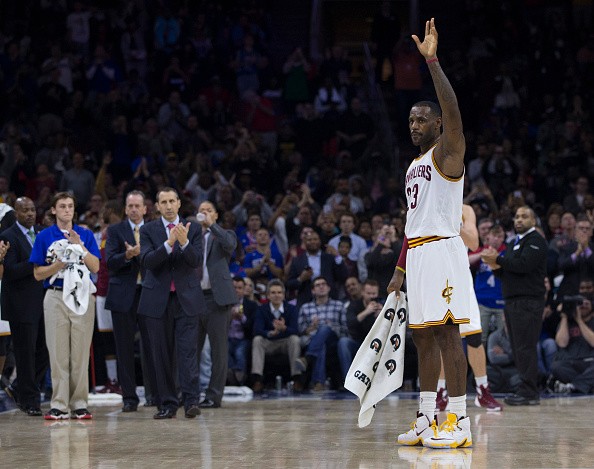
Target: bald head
x: 25, y: 211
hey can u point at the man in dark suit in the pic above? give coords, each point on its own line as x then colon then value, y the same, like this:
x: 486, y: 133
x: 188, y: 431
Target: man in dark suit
x: 122, y: 251
x: 22, y: 306
x: 311, y: 264
x: 171, y: 253
x: 276, y: 331
x: 522, y: 269
x: 219, y: 293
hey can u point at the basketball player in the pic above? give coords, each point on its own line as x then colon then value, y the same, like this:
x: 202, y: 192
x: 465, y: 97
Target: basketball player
x: 438, y: 286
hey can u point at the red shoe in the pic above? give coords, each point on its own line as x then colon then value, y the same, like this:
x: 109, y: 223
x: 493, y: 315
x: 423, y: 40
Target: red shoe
x: 486, y: 400
x: 82, y: 414
x: 442, y: 400
x: 112, y: 386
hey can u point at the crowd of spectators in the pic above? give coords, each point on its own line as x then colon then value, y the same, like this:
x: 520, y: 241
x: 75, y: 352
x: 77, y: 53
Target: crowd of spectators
x: 138, y: 95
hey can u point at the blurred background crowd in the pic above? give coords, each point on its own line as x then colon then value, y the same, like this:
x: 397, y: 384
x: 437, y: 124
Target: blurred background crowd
x: 286, y: 132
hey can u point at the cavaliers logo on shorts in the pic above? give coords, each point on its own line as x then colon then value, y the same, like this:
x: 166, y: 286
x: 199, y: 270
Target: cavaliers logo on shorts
x: 447, y: 292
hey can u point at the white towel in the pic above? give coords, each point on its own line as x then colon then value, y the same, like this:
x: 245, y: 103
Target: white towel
x: 378, y: 367
x: 77, y: 277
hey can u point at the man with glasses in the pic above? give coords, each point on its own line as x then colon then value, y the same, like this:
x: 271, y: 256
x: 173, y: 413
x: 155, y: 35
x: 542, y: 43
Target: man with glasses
x: 575, y: 258
x: 322, y: 322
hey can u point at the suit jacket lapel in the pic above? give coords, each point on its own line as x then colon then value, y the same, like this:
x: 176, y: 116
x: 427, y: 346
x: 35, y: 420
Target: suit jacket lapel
x: 24, y: 239
x: 128, y: 233
x: 161, y: 231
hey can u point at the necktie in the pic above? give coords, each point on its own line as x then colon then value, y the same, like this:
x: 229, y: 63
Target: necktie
x: 205, y: 282
x: 172, y: 287
x: 137, y: 240
x: 517, y: 240
x: 32, y: 235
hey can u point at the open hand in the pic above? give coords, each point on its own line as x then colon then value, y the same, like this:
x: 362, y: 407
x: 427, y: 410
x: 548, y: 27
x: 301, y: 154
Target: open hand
x: 428, y: 48
x: 73, y: 237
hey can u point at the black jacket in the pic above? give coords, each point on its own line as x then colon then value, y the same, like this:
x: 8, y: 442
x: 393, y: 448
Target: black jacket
x: 523, y: 267
x: 22, y: 295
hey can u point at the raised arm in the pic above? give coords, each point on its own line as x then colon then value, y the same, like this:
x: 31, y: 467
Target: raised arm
x: 449, y: 153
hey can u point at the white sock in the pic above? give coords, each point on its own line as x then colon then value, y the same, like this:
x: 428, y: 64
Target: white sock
x: 458, y: 406
x: 481, y: 381
x: 112, y: 369
x: 441, y: 384
x: 427, y: 403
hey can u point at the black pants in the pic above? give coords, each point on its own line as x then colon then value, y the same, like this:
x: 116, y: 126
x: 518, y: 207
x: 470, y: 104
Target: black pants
x: 523, y: 316
x: 124, y: 331
x: 174, y: 336
x: 32, y: 360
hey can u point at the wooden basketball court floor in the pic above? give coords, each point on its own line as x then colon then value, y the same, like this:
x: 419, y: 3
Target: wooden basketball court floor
x: 307, y: 431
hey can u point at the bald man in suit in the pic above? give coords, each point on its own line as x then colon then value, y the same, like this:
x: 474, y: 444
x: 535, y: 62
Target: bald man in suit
x: 219, y: 293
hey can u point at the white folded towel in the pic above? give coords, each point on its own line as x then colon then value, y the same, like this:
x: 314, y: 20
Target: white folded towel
x: 78, y: 286
x: 378, y: 367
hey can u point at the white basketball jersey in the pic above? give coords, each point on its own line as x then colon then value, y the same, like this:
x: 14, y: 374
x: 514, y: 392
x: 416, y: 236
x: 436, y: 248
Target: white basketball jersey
x: 434, y: 200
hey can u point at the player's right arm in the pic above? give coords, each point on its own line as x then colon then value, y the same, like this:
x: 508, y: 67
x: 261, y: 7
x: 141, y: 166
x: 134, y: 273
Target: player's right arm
x: 398, y: 276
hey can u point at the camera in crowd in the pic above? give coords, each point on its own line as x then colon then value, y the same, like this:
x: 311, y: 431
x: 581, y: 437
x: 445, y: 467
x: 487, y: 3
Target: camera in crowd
x: 571, y: 304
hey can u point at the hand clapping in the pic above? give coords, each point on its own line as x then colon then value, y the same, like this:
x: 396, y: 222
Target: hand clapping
x: 132, y: 251
x: 181, y: 232
x: 4, y: 247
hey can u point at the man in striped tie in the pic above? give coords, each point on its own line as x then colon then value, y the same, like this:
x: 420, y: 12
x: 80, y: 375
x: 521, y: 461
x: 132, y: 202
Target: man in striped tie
x: 122, y: 250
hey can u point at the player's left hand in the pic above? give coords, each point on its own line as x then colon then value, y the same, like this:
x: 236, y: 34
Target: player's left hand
x: 428, y: 48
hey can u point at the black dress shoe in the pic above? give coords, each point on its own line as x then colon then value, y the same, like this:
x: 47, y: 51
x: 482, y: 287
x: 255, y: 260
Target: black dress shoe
x: 130, y: 407
x: 209, y: 404
x: 165, y: 413
x: 150, y: 403
x: 517, y: 399
x: 10, y: 390
x: 32, y: 411
x: 192, y: 411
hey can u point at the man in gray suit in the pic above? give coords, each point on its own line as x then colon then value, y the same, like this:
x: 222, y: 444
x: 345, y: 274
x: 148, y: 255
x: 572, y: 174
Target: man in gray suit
x: 219, y: 294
